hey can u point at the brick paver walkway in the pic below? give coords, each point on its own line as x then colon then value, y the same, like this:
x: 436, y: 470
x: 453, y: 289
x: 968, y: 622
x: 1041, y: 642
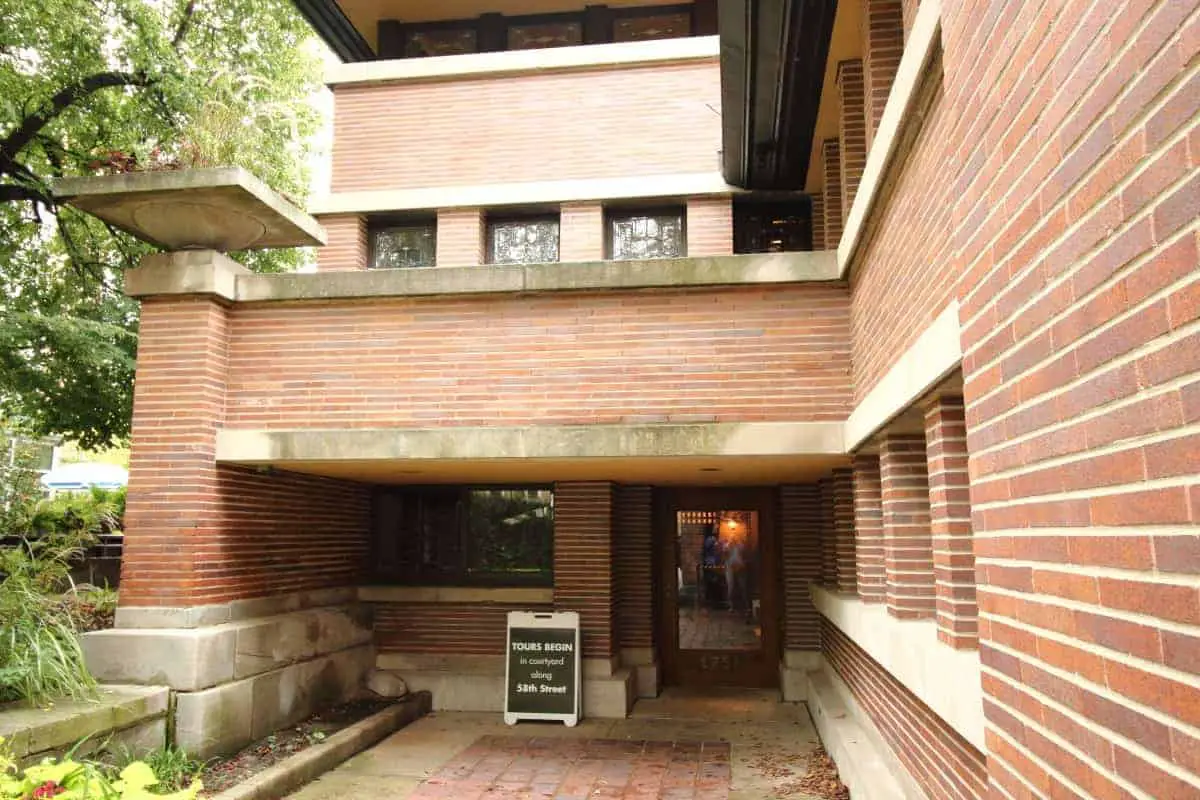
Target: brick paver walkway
x: 531, y: 768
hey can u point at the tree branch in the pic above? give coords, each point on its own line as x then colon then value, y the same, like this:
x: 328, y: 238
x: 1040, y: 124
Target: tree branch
x: 60, y: 102
x: 11, y: 193
x: 188, y: 11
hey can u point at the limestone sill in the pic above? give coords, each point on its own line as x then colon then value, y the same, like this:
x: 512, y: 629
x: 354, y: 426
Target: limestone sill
x: 208, y: 272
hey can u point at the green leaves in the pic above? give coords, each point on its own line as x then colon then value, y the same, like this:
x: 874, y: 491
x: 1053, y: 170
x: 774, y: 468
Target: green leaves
x: 180, y: 82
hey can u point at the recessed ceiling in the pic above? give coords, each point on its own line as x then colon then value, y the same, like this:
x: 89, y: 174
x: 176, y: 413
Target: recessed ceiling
x: 364, y: 14
x: 845, y: 45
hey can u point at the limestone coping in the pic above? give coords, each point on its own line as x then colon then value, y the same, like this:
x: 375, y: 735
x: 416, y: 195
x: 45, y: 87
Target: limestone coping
x: 206, y: 272
x: 29, y: 731
x: 221, y: 208
x: 485, y: 595
x: 465, y: 443
x: 619, y: 55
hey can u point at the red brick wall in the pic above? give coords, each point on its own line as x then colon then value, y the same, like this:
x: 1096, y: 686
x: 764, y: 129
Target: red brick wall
x: 649, y: 120
x: 1082, y: 364
x: 710, y: 226
x: 584, y: 579
x: 196, y: 533
x: 1053, y: 191
x: 549, y: 359
x: 444, y: 628
x: 943, y: 763
x: 906, y: 274
x: 347, y: 247
x: 582, y: 234
x: 461, y: 237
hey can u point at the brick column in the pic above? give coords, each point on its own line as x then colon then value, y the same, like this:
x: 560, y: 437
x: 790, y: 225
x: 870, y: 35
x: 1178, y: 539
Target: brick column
x: 908, y: 549
x: 852, y: 129
x: 710, y: 226
x: 461, y: 239
x: 178, y: 405
x: 348, y: 245
x: 950, y: 522
x: 843, y: 527
x: 831, y: 160
x: 828, y: 533
x: 583, y: 561
x: 818, y: 223
x: 633, y: 580
x: 581, y: 232
x: 868, y: 529
x: 883, y: 29
x: 799, y: 526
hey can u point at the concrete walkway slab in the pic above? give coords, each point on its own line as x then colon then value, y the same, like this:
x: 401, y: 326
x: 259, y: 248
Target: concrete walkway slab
x: 769, y: 744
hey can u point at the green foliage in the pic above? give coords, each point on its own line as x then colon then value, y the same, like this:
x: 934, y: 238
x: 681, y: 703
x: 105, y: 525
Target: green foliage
x: 174, y: 768
x: 69, y: 779
x: 115, y: 85
x: 40, y: 658
x: 20, y: 490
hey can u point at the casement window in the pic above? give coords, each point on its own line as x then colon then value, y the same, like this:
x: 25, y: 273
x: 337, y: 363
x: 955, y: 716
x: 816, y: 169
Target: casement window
x: 522, y: 240
x: 464, y: 535
x: 771, y: 227
x: 408, y: 244
x: 655, y: 233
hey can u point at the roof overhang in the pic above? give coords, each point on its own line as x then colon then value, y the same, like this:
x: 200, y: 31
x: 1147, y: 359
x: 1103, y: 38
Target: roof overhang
x: 332, y: 25
x: 773, y: 55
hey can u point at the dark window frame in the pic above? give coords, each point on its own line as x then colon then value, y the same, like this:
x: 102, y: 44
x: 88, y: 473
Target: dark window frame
x: 491, y: 30
x: 491, y: 221
x: 377, y: 225
x: 395, y: 539
x: 615, y: 214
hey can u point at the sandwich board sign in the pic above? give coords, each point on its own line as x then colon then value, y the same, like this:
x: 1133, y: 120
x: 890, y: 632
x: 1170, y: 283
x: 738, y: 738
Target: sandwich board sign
x: 542, y: 671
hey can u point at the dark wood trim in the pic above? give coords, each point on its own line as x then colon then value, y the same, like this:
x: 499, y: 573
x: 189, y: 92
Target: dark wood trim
x: 492, y: 33
x: 335, y: 28
x: 773, y: 56
x: 704, y: 18
x: 682, y: 668
x: 491, y: 30
x: 597, y: 24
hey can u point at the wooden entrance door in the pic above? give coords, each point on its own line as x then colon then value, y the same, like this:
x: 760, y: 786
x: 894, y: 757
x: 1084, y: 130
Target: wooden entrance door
x: 718, y: 620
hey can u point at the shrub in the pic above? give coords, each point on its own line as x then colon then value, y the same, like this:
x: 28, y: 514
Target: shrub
x: 68, y: 779
x: 40, y: 657
x: 41, y: 613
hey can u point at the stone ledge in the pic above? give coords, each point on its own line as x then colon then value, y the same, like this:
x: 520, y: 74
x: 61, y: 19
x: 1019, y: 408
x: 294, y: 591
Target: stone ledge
x: 457, y: 594
x: 865, y: 764
x: 297, y: 770
x: 945, y: 679
x: 234, y: 610
x: 667, y: 273
x: 674, y: 186
x: 30, y: 731
x: 225, y: 208
x: 515, y: 62
x: 935, y: 354
x: 240, y: 446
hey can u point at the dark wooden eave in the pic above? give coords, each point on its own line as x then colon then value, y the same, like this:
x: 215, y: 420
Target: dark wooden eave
x: 331, y: 24
x: 773, y: 55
